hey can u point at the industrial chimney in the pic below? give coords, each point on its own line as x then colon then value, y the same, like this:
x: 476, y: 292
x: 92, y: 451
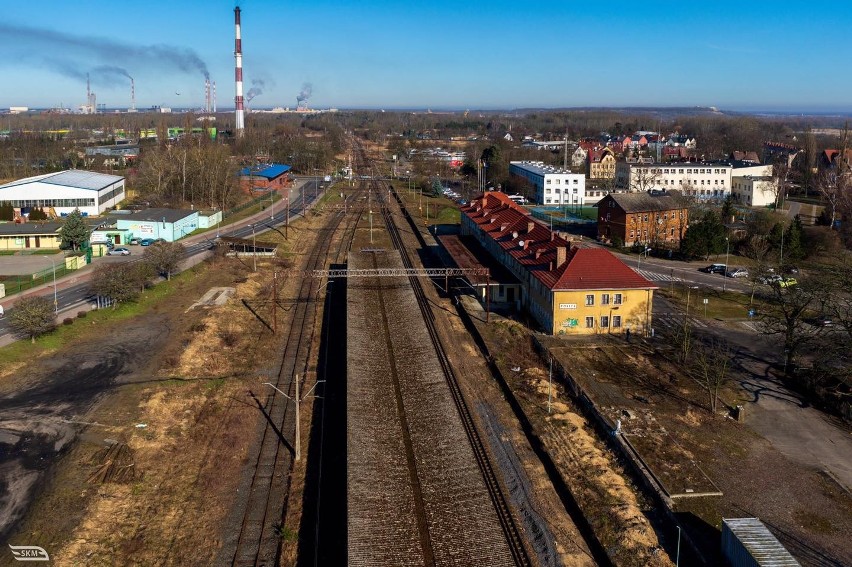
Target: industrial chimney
x: 132, y: 95
x: 239, y: 123
x: 214, y: 97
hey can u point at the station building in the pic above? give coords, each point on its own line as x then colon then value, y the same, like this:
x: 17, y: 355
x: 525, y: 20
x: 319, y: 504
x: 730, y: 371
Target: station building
x: 553, y: 185
x: 568, y: 289
x: 60, y: 193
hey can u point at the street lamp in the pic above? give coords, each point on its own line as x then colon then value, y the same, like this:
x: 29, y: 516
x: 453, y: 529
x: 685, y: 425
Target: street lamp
x: 727, y: 268
x: 55, y: 300
x: 253, y: 248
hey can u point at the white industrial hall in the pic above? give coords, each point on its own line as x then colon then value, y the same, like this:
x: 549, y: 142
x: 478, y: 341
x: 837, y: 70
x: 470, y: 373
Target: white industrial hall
x: 60, y: 193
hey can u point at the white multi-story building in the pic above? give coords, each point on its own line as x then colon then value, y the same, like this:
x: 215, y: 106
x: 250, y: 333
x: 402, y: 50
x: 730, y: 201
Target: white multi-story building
x: 699, y: 180
x: 553, y: 185
x: 753, y: 184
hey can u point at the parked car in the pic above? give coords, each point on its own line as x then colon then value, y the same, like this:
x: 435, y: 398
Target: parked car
x: 820, y: 321
x: 737, y: 273
x: 769, y: 279
x: 146, y: 242
x: 714, y: 269
x: 787, y: 282
x: 134, y: 240
x: 118, y: 251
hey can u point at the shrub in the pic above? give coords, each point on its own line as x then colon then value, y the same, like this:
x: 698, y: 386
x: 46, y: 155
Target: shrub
x: 68, y: 321
x: 81, y: 315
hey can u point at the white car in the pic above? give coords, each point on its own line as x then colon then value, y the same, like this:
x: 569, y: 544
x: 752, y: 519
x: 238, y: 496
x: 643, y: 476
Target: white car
x: 120, y: 251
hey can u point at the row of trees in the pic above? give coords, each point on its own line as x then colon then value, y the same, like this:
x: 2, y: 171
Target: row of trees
x: 36, y: 315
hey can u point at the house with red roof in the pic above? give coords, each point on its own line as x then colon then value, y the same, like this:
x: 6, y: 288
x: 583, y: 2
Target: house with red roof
x: 568, y: 289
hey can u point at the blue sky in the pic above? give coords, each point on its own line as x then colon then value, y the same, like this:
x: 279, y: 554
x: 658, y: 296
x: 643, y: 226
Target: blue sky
x: 436, y: 54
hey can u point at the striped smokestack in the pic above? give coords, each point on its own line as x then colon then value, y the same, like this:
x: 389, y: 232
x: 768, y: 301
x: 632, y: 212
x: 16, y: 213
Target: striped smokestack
x: 238, y: 58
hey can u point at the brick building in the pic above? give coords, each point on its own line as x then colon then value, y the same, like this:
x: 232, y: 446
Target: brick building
x: 266, y: 177
x: 646, y: 218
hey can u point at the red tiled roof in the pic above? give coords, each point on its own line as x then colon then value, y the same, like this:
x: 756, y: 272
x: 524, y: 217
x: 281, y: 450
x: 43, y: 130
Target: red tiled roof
x: 537, y: 249
x: 597, y: 268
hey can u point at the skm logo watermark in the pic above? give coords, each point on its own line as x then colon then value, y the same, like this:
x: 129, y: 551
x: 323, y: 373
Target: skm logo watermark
x: 29, y: 553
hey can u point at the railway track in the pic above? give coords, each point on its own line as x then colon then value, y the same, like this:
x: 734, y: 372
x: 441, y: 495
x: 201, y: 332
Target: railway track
x: 507, y: 521
x: 258, y: 541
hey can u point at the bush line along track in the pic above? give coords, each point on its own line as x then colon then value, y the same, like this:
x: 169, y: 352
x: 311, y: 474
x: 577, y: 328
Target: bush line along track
x: 507, y: 522
x: 259, y: 541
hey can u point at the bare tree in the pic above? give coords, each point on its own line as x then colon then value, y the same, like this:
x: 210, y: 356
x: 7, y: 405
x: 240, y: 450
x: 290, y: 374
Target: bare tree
x: 711, y: 362
x: 756, y: 250
x: 119, y: 282
x: 164, y: 257
x: 32, y: 317
x: 785, y: 316
x: 644, y: 178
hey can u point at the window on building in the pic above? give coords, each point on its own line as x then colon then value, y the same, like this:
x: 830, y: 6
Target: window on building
x: 645, y: 218
x: 590, y: 322
x: 590, y: 300
x: 631, y: 235
x: 616, y: 321
x: 604, y: 299
x: 672, y: 232
x: 558, y: 181
x: 616, y: 299
x: 604, y: 322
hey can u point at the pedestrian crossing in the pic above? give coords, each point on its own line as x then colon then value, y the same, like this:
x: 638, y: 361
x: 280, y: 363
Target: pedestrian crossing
x: 675, y: 321
x: 655, y: 277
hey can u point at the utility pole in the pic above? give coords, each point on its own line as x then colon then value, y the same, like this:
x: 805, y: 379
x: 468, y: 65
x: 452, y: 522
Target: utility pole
x: 274, y: 301
x: 287, y: 217
x: 298, y: 401
x: 550, y: 386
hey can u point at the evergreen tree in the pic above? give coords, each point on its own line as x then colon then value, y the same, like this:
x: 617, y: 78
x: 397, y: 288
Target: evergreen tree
x: 776, y: 235
x: 7, y: 212
x: 37, y: 215
x: 74, y: 232
x: 794, y: 241
x: 705, y: 237
x: 728, y: 210
x: 437, y: 188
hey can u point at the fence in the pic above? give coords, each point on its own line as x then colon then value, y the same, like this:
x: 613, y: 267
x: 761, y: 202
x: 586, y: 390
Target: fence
x: 17, y: 284
x: 265, y: 198
x: 566, y: 220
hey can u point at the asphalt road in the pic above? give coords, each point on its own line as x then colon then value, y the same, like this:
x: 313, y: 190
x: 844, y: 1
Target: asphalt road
x: 75, y: 295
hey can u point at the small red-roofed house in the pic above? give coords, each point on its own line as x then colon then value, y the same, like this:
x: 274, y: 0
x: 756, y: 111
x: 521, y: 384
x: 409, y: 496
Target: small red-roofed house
x: 568, y: 289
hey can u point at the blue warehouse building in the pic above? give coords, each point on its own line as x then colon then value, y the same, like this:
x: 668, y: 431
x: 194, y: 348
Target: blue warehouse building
x: 168, y: 224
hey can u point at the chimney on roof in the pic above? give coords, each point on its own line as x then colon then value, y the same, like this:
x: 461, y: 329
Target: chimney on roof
x: 526, y: 244
x: 503, y: 227
x: 552, y: 235
x: 530, y: 226
x: 561, y: 255
x: 538, y: 254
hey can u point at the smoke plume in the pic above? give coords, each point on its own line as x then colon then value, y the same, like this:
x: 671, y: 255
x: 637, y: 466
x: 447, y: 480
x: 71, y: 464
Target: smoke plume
x: 257, y: 86
x: 307, y: 89
x: 107, y: 74
x: 40, y: 45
